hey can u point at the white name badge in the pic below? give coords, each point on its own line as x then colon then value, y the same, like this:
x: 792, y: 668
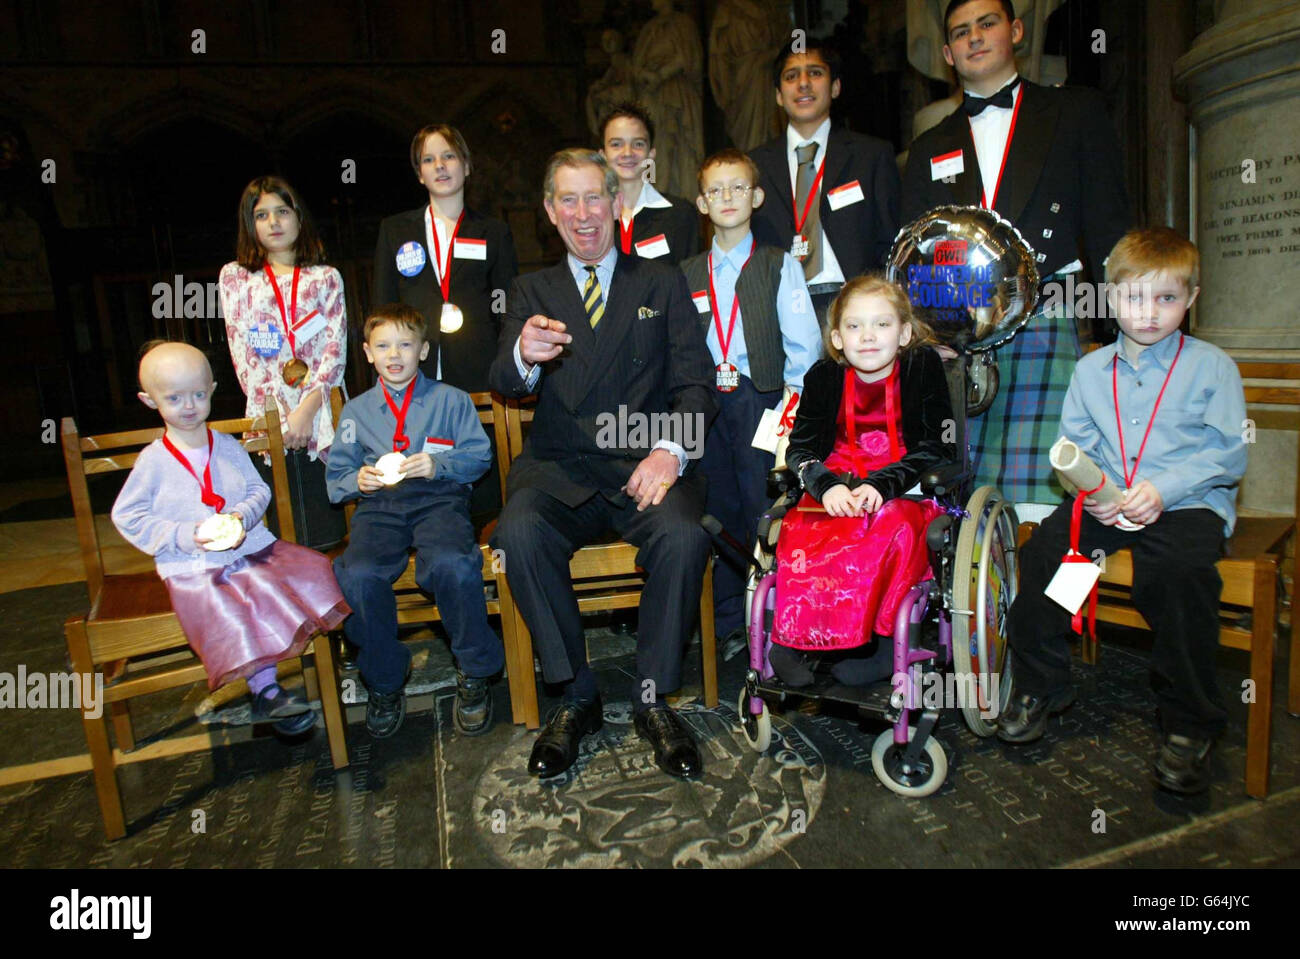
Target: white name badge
x: 843, y: 195
x: 464, y: 249
x: 309, y: 325
x: 655, y: 246
x: 437, y: 444
x: 410, y: 258
x: 1072, y: 584
x: 950, y: 164
x: 701, y: 301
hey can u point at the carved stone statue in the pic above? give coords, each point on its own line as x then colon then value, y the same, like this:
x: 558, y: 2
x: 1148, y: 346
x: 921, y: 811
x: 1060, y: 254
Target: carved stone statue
x: 742, y: 42
x: 667, y: 71
x: 614, y: 87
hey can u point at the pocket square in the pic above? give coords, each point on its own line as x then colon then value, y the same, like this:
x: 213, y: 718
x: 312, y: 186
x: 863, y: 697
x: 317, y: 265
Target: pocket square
x: 645, y: 313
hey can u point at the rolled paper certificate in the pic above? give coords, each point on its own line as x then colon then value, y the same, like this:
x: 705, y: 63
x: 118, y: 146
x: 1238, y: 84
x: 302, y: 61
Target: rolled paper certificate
x: 223, y: 531
x: 1078, y: 472
x: 388, y: 468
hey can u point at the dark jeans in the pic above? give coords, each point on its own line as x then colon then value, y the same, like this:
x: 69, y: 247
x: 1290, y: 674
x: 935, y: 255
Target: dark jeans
x: 432, y: 516
x: 1175, y: 587
x: 317, y: 522
x: 737, y: 494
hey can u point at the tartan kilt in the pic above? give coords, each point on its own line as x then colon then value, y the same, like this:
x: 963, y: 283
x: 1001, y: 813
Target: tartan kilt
x: 1010, y: 442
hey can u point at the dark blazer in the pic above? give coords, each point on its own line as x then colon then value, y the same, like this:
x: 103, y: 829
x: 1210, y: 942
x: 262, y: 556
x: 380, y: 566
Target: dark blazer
x: 860, y: 233
x: 926, y: 409
x: 467, y: 353
x: 679, y: 223
x: 1063, y: 186
x: 647, y: 356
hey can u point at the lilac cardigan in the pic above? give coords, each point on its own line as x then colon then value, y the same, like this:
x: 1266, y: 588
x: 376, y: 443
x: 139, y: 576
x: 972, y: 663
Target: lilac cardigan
x: 159, y: 508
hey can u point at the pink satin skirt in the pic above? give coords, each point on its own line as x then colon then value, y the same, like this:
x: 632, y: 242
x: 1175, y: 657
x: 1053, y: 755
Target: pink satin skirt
x: 839, y: 578
x: 260, y: 609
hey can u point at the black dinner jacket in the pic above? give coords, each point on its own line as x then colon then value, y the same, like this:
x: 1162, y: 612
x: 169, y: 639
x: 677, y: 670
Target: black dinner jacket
x: 679, y: 223
x: 927, y: 409
x: 467, y: 353
x: 646, y: 356
x: 860, y: 233
x: 1063, y: 187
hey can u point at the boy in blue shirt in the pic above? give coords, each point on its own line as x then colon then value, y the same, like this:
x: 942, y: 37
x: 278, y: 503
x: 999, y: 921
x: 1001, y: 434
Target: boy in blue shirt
x: 762, y: 333
x: 423, y: 502
x: 1161, y: 414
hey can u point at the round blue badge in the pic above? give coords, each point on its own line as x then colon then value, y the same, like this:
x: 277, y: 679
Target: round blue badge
x: 411, y: 258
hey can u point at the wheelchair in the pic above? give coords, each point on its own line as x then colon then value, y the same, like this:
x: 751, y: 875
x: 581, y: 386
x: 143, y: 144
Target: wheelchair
x: 949, y: 641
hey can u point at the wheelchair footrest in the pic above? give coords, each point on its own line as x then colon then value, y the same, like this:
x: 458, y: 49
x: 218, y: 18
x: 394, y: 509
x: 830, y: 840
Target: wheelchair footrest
x: 873, y: 699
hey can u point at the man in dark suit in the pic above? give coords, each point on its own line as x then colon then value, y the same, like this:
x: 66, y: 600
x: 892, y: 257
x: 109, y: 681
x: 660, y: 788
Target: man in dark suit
x: 613, y: 348
x: 652, y: 225
x: 832, y: 194
x: 1047, y: 160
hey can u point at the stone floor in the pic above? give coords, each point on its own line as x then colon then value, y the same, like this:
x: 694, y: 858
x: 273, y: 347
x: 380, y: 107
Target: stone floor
x: 431, y: 798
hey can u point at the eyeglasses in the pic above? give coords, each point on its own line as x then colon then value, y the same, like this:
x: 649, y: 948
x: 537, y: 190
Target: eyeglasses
x: 714, y: 194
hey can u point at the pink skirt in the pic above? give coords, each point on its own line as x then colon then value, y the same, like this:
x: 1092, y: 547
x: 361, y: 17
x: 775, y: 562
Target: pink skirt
x: 260, y: 609
x: 839, y: 578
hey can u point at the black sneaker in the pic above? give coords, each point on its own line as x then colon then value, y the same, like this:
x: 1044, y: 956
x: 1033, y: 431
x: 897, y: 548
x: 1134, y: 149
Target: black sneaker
x: 1025, y: 718
x: 275, y: 703
x: 473, y: 713
x: 384, y: 713
x: 1183, y: 765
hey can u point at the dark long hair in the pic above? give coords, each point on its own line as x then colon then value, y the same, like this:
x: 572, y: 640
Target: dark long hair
x: 249, y: 253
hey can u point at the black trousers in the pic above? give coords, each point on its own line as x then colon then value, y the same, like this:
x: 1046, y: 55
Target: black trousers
x: 317, y: 522
x: 737, y: 490
x: 1175, y: 587
x: 539, y: 535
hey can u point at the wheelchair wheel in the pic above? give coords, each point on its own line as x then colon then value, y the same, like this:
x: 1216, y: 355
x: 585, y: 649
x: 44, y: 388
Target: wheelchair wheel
x: 984, y: 585
x: 921, y: 780
x: 756, y: 729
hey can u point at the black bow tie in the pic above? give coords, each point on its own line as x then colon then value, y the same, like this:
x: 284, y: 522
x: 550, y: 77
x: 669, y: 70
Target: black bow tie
x: 1005, y: 97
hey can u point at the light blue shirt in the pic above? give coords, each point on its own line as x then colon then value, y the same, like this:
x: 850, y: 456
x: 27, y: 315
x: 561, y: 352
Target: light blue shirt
x: 1195, y: 456
x: 800, y: 333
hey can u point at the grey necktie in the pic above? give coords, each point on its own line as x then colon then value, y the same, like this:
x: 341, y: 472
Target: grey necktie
x: 812, y: 228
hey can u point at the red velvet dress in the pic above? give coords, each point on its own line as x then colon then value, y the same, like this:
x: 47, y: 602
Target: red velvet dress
x: 841, y: 578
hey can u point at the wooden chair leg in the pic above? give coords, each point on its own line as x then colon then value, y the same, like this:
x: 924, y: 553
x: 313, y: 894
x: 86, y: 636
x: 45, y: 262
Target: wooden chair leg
x: 1259, y: 726
x: 1293, y: 681
x: 527, y: 680
x: 1088, y: 648
x: 101, y: 750
x: 709, y: 639
x: 328, y: 681
x: 123, y: 731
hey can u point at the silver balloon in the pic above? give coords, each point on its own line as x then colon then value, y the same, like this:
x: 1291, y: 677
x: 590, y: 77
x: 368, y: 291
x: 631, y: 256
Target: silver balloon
x: 969, y: 274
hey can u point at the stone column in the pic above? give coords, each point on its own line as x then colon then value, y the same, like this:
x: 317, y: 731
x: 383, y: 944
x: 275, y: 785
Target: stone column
x: 1241, y: 82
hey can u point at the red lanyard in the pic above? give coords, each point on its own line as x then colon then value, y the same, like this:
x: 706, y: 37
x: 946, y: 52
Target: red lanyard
x: 1006, y: 152
x: 724, y: 343
x: 891, y: 412
x: 206, y: 492
x: 1119, y: 422
x: 292, y: 314
x: 1074, y: 556
x: 400, y: 439
x: 444, y: 279
x: 799, y: 221
x: 625, y: 234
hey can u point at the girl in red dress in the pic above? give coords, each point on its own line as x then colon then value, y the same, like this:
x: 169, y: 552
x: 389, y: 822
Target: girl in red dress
x: 872, y: 419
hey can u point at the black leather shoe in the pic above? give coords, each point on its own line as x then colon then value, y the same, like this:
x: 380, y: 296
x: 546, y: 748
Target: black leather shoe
x: 1183, y: 765
x: 675, y: 750
x: 1025, y: 718
x: 557, y: 744
x: 296, y: 725
x: 736, y: 641
x: 276, y: 703
x: 384, y: 713
x: 473, y: 713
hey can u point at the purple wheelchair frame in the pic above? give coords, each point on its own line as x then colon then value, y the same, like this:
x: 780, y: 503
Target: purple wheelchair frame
x: 911, y: 611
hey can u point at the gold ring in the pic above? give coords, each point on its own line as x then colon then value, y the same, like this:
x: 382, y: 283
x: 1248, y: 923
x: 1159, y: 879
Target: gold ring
x: 665, y: 485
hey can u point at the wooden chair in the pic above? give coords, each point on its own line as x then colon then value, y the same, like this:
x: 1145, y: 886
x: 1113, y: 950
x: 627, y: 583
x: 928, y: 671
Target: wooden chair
x: 1250, y: 573
x: 130, y: 633
x: 605, y: 577
x: 413, y: 606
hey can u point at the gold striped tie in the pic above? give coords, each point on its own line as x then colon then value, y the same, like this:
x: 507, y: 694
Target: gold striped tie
x: 592, y: 298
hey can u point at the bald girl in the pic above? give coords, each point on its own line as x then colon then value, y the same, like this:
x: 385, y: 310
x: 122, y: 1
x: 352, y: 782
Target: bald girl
x: 176, y: 380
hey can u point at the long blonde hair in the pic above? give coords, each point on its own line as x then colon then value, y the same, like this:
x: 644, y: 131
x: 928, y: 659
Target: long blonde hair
x: 866, y: 285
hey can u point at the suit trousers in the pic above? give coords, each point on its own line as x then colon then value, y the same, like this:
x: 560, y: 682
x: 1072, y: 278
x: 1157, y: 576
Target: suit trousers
x: 737, y: 495
x: 1176, y: 588
x: 434, y: 518
x: 539, y: 534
